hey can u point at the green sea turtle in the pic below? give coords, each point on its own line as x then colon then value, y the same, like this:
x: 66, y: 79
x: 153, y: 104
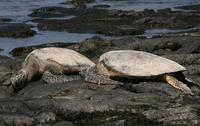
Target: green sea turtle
x: 52, y: 63
x: 139, y: 65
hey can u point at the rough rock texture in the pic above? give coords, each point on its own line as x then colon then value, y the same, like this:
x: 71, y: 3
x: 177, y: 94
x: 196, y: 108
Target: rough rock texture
x: 78, y: 3
x: 16, y: 30
x: 136, y: 103
x: 4, y: 20
x: 113, y: 22
x: 77, y: 103
x: 95, y: 46
x: 101, y: 6
x: 195, y: 7
x: 55, y: 11
x: 159, y: 46
x: 23, y: 51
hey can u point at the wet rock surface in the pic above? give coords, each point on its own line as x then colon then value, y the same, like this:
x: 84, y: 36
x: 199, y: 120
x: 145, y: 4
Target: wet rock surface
x: 78, y: 103
x: 55, y: 11
x: 23, y: 51
x: 195, y: 7
x: 101, y: 6
x: 113, y: 22
x: 89, y: 21
x: 159, y: 46
x: 135, y: 103
x: 78, y: 3
x: 16, y: 30
x: 4, y: 20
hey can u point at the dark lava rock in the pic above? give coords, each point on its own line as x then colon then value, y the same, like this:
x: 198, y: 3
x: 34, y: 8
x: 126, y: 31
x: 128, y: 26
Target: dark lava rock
x: 3, y: 57
x: 54, y: 11
x: 195, y: 7
x: 4, y: 20
x: 63, y: 123
x: 78, y: 2
x: 82, y: 1
x: 23, y: 51
x: 166, y: 10
x: 16, y: 30
x: 92, y: 25
x: 114, y: 22
x: 101, y: 6
x: 92, y: 21
x: 161, y: 46
x: 145, y: 103
x: 7, y: 68
x: 148, y: 11
x: 93, y: 47
x: 49, y: 12
x: 151, y: 103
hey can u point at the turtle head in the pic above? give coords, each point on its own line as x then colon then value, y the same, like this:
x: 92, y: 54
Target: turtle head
x: 16, y: 82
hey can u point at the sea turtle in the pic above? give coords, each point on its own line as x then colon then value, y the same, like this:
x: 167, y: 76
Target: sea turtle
x: 52, y: 64
x: 140, y: 65
x: 113, y: 67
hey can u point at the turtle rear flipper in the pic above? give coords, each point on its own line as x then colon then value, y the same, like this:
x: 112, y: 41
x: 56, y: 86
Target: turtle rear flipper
x: 178, y: 84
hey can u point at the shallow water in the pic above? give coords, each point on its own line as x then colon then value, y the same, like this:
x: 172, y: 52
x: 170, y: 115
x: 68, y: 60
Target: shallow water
x: 18, y: 10
x: 150, y: 33
x: 43, y: 37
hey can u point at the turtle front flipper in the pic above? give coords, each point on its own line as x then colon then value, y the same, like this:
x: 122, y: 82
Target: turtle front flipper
x: 16, y: 82
x: 92, y: 75
x: 51, y: 78
x: 57, y: 73
x: 177, y: 84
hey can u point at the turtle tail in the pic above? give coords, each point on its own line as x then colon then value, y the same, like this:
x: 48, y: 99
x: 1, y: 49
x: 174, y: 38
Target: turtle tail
x: 178, y: 84
x: 16, y: 82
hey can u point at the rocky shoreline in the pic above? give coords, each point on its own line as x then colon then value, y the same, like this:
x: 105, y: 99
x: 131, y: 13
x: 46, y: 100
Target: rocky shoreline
x: 112, y: 22
x: 16, y: 30
x: 5, y: 20
x: 77, y: 103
